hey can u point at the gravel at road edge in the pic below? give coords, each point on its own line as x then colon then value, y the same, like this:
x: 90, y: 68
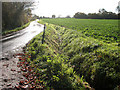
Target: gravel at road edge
x: 10, y: 74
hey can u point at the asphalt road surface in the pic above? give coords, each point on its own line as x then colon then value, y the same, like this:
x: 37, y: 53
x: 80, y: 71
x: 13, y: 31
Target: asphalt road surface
x: 14, y: 43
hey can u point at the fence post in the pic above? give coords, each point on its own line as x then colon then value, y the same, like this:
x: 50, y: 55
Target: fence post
x: 43, y: 36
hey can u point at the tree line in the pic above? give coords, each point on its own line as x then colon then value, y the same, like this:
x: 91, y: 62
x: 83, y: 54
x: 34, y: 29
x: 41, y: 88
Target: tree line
x: 15, y: 14
x: 102, y: 14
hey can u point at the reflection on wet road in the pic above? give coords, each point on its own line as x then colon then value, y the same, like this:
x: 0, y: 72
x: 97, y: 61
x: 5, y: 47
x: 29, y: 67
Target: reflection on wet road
x: 25, y: 35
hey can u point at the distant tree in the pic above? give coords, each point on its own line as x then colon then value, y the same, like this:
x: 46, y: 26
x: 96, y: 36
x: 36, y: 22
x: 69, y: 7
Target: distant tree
x: 118, y: 9
x: 76, y: 15
x: 45, y: 17
x: 107, y: 15
x: 68, y: 16
x: 93, y: 15
x: 80, y: 15
x: 53, y: 16
x: 41, y: 17
x: 101, y: 11
x: 103, y: 14
x: 35, y: 17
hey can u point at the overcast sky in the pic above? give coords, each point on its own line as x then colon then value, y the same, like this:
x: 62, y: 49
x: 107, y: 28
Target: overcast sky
x: 70, y: 7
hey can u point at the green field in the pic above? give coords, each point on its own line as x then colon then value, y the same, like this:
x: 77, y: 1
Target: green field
x: 71, y: 57
x: 106, y: 30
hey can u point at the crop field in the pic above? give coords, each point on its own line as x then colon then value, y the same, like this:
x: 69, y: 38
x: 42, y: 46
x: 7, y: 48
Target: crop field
x: 106, y: 30
x: 76, y: 54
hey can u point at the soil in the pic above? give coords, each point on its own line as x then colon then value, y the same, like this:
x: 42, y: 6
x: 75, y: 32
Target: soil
x: 10, y: 74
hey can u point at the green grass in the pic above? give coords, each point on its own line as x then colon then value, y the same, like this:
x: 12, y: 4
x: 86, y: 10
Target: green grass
x: 106, y: 30
x: 69, y: 57
x: 15, y: 30
x: 54, y: 67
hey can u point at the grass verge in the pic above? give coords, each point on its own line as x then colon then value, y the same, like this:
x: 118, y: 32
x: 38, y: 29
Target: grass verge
x: 15, y: 30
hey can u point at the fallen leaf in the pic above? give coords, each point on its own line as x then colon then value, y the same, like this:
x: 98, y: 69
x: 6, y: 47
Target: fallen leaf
x: 18, y: 65
x: 19, y: 71
x: 9, y: 84
x: 24, y: 87
x: 17, y: 86
x: 21, y: 82
x: 29, y: 56
x: 24, y: 70
x: 5, y: 80
x: 6, y: 65
x: 13, y: 70
x: 99, y: 56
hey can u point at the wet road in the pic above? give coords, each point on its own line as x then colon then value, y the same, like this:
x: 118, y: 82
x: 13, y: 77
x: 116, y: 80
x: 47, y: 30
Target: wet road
x: 10, y: 46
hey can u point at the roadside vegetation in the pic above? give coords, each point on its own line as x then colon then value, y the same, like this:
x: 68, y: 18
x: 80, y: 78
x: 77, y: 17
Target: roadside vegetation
x: 69, y: 58
x: 49, y: 65
x: 15, y: 30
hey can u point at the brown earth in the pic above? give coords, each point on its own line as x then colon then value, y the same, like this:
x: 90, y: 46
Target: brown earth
x: 10, y: 74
